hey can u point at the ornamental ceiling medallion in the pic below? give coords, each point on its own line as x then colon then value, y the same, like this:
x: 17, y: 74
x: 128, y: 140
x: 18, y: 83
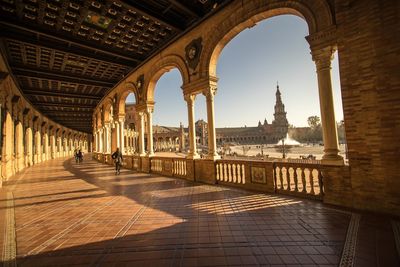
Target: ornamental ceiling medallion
x: 193, y: 51
x: 98, y: 20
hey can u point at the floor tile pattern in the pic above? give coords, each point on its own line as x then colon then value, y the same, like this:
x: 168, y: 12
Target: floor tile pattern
x: 69, y: 214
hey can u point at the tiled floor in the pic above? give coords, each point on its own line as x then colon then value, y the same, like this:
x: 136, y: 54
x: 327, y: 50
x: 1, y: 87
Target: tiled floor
x: 68, y: 214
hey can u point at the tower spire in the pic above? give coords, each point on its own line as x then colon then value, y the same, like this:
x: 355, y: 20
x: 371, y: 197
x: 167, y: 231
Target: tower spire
x: 280, y: 122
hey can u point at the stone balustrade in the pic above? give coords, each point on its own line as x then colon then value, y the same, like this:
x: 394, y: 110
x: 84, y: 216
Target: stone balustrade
x: 231, y: 172
x: 303, y: 178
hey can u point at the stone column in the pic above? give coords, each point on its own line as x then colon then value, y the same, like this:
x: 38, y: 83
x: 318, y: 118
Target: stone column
x: 101, y: 139
x: 114, y: 136
x: 46, y: 146
x: 52, y: 146
x: 322, y: 58
x: 118, y: 135
x: 95, y: 140
x: 141, y: 134
x: 105, y: 139
x: 38, y: 146
x: 149, y: 113
x: 190, y: 98
x: 122, y: 134
x: 212, y: 144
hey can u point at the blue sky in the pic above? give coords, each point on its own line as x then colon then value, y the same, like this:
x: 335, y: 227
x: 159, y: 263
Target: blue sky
x: 248, y: 69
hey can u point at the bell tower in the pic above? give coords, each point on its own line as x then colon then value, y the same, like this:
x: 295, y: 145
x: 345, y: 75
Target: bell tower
x: 280, y: 123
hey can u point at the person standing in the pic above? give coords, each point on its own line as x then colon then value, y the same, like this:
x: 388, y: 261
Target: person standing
x: 117, y: 157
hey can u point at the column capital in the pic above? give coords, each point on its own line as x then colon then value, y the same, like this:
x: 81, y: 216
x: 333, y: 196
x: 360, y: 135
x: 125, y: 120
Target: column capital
x: 323, y: 57
x: 121, y: 117
x: 190, y: 98
x: 149, y: 109
x: 210, y: 91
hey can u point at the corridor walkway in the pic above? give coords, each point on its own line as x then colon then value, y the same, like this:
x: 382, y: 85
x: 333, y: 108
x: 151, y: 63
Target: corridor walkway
x: 65, y: 214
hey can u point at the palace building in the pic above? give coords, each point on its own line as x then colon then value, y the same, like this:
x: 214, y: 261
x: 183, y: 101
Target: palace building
x: 168, y: 138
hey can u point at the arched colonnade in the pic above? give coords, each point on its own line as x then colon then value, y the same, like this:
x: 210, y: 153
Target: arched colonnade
x: 195, y: 55
x: 27, y: 137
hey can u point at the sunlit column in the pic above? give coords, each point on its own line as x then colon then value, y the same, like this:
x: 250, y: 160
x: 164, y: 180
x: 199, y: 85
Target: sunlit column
x: 190, y: 98
x: 212, y: 147
x: 108, y: 137
x: 46, y: 146
x: 122, y: 134
x: 118, y: 133
x: 95, y: 140
x: 141, y: 134
x: 38, y: 146
x: 322, y: 58
x: 101, y: 139
x: 113, y: 136
x: 52, y: 145
x: 149, y: 113
x: 105, y: 139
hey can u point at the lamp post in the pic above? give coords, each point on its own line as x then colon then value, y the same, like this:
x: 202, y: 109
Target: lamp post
x: 283, y: 148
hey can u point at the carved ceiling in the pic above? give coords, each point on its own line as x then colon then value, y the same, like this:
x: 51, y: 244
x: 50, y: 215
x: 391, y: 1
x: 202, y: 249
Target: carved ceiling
x: 65, y: 55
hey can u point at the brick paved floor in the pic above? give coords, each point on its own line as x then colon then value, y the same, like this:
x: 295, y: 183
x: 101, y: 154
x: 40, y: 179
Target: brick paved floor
x: 68, y: 215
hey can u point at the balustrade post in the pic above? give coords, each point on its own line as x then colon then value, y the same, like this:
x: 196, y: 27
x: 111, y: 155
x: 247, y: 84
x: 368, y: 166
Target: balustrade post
x: 303, y: 180
x: 296, y: 187
x: 312, y: 192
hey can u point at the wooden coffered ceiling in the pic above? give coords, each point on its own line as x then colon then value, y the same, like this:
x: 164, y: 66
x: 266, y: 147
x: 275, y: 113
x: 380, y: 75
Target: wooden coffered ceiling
x: 65, y: 55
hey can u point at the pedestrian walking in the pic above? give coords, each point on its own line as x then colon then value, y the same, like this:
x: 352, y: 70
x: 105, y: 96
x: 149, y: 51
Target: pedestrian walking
x: 117, y: 157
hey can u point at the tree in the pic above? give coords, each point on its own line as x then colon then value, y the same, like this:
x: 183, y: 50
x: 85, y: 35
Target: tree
x: 313, y: 122
x: 315, y: 134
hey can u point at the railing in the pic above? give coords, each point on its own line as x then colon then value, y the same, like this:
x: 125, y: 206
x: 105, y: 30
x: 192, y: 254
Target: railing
x: 303, y: 179
x: 230, y: 171
x: 176, y: 167
x: 179, y: 167
x: 156, y: 165
x: 136, y: 162
x: 287, y: 177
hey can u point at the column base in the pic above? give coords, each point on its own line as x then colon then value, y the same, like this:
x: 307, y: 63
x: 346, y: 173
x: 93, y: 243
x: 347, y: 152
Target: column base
x: 332, y: 159
x: 193, y: 156
x: 213, y: 157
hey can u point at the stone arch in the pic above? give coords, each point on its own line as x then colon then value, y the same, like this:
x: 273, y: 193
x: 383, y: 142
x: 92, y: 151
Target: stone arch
x: 121, y: 99
x: 107, y: 109
x: 162, y: 66
x: 316, y: 13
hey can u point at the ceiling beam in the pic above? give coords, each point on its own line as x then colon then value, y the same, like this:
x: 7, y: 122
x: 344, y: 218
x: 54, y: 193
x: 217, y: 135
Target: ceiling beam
x: 60, y: 94
x: 14, y: 31
x: 82, y: 113
x: 70, y: 119
x: 59, y: 77
x: 184, y: 8
x: 62, y: 105
x: 62, y: 73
